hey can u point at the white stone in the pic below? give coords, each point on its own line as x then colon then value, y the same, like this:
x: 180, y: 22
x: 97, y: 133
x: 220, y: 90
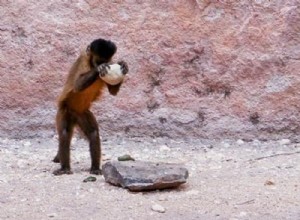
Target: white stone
x: 193, y: 192
x: 284, y: 141
x: 164, y: 148
x: 114, y: 75
x: 240, y: 142
x: 27, y: 144
x: 158, y: 208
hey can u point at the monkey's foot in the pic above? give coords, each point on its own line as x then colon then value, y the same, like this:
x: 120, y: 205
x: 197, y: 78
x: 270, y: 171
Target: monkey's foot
x: 102, y: 69
x: 62, y: 172
x: 124, y: 67
x: 56, y: 159
x: 96, y: 171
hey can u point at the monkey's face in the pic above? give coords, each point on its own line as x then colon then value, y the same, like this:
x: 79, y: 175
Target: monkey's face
x: 98, y: 60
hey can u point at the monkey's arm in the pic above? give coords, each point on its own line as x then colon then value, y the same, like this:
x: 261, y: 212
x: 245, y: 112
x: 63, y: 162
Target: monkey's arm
x: 84, y: 80
x: 114, y: 89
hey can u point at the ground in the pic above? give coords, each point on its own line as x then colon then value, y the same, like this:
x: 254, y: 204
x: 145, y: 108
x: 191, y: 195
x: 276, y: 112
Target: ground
x: 229, y: 179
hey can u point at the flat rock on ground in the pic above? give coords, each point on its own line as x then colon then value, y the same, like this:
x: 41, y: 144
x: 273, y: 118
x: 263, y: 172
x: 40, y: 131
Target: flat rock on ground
x: 142, y: 175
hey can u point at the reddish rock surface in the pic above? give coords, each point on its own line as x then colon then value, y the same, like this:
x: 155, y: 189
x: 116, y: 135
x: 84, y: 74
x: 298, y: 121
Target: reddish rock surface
x: 206, y: 69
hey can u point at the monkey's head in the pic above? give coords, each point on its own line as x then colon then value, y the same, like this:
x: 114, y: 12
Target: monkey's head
x: 101, y: 51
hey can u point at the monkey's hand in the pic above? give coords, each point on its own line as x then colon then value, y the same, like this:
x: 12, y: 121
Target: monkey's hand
x: 124, y: 67
x: 102, y: 69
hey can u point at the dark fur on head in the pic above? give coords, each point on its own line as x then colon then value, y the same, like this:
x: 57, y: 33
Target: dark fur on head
x: 103, y: 48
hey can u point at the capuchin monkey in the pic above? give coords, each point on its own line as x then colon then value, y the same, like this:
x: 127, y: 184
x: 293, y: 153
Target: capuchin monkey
x: 83, y: 86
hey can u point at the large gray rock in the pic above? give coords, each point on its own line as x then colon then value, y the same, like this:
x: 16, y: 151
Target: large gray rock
x: 140, y: 176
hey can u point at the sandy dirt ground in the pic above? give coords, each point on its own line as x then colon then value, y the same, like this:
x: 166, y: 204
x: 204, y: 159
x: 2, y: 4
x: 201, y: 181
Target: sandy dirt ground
x: 229, y: 179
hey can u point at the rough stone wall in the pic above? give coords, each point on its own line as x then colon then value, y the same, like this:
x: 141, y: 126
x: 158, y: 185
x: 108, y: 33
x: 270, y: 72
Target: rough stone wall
x: 198, y: 68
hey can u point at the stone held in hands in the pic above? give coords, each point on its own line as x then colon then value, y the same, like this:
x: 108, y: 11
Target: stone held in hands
x: 142, y: 176
x: 114, y: 74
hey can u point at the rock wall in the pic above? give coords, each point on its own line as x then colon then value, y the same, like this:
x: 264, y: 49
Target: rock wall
x: 198, y: 68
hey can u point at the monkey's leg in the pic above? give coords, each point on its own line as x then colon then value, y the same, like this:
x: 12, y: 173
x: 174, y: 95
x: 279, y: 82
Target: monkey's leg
x: 56, y: 158
x: 88, y: 124
x: 58, y: 120
x: 65, y: 126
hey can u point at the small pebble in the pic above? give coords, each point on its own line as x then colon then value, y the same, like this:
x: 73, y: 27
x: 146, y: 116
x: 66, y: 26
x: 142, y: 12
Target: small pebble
x: 27, y: 144
x: 269, y: 183
x: 90, y: 179
x: 125, y: 157
x: 164, y: 148
x: 158, y: 208
x: 192, y: 192
x: 284, y: 141
x: 240, y: 142
x: 52, y: 215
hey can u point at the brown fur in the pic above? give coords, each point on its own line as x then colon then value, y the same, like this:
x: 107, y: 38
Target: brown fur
x: 83, y: 86
x: 79, y: 101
